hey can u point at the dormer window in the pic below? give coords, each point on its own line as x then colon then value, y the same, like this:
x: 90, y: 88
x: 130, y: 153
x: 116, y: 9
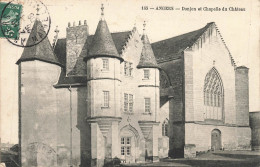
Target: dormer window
x: 105, y: 64
x: 146, y: 74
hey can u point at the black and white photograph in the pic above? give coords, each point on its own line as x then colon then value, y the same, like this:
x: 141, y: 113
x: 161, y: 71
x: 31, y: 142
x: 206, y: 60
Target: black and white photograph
x: 127, y: 83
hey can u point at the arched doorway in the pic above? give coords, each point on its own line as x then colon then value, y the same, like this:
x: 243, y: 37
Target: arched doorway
x: 216, y: 139
x: 128, y: 142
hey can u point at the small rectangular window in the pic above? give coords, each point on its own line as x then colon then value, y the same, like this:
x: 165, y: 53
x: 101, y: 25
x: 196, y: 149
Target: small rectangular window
x: 131, y: 101
x: 147, y: 105
x: 166, y: 129
x: 146, y: 74
x: 128, y: 102
x: 106, y: 98
x: 130, y: 69
x: 125, y: 102
x: 122, y: 150
x: 105, y: 64
x: 125, y: 68
x: 122, y: 140
x: 128, y: 140
x: 128, y: 150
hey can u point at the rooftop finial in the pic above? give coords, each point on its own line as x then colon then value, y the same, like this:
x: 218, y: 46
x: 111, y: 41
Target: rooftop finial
x: 37, y: 11
x: 102, y: 11
x: 144, y: 27
x: 134, y: 29
x: 56, y: 36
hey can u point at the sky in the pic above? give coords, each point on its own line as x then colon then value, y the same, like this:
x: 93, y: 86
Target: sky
x: 240, y: 30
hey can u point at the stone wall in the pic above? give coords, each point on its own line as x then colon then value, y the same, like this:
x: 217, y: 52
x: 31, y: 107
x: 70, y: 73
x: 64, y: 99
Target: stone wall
x: 255, y: 130
x: 242, y: 96
x: 45, y: 113
x: 38, y: 113
x: 75, y: 41
x: 208, y: 52
x: 200, y: 136
x: 176, y: 134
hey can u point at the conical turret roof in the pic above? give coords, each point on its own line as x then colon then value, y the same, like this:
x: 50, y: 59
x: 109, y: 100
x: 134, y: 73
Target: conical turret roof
x: 38, y: 51
x: 147, y: 58
x: 102, y: 43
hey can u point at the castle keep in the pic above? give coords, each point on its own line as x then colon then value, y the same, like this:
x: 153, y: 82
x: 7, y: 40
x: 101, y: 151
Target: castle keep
x: 92, y: 98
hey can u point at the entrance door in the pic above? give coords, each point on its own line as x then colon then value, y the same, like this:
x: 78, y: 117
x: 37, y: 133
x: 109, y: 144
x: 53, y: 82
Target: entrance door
x: 216, y: 139
x: 127, y: 149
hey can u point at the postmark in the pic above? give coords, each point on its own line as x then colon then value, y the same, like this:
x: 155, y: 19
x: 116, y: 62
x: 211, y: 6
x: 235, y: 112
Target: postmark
x: 35, y: 23
x: 10, y: 21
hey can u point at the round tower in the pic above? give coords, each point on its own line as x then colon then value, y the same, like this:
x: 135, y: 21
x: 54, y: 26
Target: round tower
x: 149, y: 93
x: 103, y: 87
x: 38, y: 70
x: 149, y: 80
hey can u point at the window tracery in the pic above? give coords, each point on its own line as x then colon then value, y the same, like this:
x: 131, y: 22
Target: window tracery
x: 213, y: 95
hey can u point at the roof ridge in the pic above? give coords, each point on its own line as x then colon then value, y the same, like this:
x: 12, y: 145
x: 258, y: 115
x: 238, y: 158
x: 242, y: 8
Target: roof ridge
x: 217, y: 29
x: 127, y: 40
x: 120, y: 31
x: 233, y: 63
x: 184, y: 33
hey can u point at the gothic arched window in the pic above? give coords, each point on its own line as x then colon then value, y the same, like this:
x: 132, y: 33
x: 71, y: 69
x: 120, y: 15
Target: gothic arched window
x: 213, y: 96
x: 165, y: 128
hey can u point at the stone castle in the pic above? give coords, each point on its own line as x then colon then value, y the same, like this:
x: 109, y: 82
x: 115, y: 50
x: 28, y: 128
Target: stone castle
x: 91, y: 98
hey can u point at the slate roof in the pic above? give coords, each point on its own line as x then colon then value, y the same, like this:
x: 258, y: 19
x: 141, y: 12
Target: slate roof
x: 168, y: 54
x: 162, y: 52
x: 102, y: 43
x: 119, y: 39
x: 147, y: 59
x: 65, y: 81
x: 60, y: 51
x: 172, y: 48
x: 42, y: 51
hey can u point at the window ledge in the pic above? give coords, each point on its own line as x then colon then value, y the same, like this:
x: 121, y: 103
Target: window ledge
x: 128, y: 113
x: 213, y: 121
x: 146, y: 79
x: 128, y: 76
x: 105, y: 107
x: 147, y: 113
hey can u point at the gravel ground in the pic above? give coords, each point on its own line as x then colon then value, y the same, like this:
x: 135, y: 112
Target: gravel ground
x: 210, y: 159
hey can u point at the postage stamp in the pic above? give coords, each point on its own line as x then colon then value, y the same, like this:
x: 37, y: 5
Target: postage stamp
x: 10, y: 20
x: 33, y: 13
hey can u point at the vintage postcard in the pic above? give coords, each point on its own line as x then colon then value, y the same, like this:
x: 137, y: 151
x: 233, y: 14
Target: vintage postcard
x: 114, y: 83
